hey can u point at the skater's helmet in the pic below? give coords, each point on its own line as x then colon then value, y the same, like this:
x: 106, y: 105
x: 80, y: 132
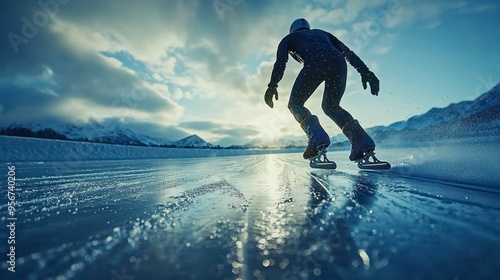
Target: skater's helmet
x: 298, y: 24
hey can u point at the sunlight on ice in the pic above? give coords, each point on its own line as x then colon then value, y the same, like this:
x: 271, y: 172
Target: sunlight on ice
x: 271, y: 224
x: 364, y: 256
x: 273, y: 169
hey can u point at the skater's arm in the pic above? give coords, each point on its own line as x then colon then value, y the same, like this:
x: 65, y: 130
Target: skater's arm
x: 279, y: 65
x: 367, y: 76
x: 349, y: 55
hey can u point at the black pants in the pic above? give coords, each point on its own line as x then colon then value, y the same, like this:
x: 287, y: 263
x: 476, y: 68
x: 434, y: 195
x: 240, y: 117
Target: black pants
x: 331, y: 68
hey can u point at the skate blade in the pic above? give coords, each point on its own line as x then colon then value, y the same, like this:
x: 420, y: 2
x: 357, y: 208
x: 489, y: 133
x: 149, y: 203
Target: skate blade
x: 369, y: 161
x: 375, y: 166
x: 323, y: 165
x: 321, y: 161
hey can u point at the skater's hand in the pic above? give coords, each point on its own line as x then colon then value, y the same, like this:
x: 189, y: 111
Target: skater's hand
x: 268, y: 96
x: 370, y: 78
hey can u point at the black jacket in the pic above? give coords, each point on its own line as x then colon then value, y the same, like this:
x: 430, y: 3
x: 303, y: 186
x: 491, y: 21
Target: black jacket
x: 304, y: 46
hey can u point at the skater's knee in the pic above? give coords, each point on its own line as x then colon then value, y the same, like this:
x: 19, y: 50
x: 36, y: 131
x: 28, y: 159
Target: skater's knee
x: 299, y: 112
x: 337, y: 114
x: 295, y: 108
x: 331, y: 109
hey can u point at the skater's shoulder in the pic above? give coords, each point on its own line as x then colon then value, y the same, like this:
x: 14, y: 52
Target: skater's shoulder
x: 320, y: 31
x: 302, y: 35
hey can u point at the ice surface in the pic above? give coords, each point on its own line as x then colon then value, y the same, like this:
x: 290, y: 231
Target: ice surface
x: 257, y: 217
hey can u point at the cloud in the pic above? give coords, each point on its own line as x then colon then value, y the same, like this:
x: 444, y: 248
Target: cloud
x: 221, y: 133
x: 430, y: 13
x: 154, y: 129
x: 60, y: 74
x: 180, y: 61
x: 200, y: 125
x: 135, y: 60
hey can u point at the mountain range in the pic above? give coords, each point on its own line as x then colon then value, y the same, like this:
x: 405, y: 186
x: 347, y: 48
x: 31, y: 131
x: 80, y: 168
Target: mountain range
x: 479, y: 118
x: 109, y: 132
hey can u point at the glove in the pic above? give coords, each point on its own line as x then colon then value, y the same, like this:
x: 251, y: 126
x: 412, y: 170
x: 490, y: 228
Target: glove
x: 268, y: 96
x: 370, y: 78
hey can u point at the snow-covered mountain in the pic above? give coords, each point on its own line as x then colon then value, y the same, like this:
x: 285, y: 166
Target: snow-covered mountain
x: 479, y: 118
x: 486, y: 102
x: 110, y: 132
x: 193, y: 141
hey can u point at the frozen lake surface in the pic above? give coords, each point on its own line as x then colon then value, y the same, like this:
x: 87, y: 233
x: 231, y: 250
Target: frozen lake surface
x: 255, y: 217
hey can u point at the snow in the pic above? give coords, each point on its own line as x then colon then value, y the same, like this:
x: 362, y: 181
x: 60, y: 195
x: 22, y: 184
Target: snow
x: 459, y: 163
x: 467, y: 161
x: 466, y: 119
x: 193, y: 141
x: 94, y: 130
x: 18, y: 149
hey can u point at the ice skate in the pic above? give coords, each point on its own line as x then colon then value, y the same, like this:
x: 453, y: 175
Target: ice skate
x: 370, y: 161
x: 363, y: 147
x: 321, y: 161
x: 317, y: 137
x: 361, y: 142
x: 310, y: 151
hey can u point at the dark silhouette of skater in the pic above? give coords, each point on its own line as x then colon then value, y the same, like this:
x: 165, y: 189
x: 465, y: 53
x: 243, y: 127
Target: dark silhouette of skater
x: 324, y: 59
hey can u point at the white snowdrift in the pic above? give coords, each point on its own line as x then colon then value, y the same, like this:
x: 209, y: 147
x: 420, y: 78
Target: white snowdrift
x: 17, y: 149
x: 465, y: 163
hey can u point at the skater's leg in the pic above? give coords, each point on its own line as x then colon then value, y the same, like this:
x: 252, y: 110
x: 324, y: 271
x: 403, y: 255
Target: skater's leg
x: 304, y: 86
x: 317, y: 136
x: 331, y: 103
x: 334, y: 90
x: 306, y: 83
x: 335, y: 86
x: 361, y: 142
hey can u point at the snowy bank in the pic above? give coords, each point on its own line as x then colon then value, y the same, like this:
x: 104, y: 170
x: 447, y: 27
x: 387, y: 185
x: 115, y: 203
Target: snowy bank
x: 466, y: 163
x: 35, y: 149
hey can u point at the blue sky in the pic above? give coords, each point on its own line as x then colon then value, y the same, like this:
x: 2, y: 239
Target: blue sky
x: 174, y: 68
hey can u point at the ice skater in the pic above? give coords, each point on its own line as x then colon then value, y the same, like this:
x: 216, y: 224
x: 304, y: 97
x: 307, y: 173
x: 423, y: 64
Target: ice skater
x: 324, y: 60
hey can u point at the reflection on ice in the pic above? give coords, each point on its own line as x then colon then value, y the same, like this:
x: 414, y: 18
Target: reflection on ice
x: 262, y: 217
x: 365, y: 258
